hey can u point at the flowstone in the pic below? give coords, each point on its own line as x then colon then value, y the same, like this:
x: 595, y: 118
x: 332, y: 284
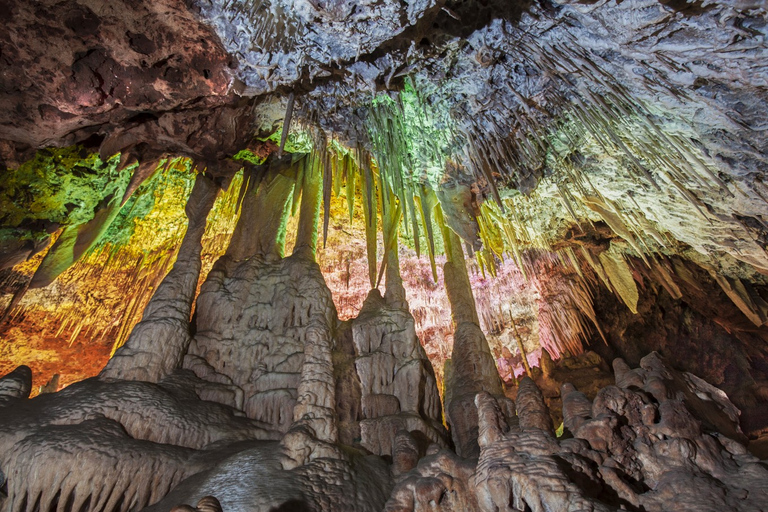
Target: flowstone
x: 252, y: 323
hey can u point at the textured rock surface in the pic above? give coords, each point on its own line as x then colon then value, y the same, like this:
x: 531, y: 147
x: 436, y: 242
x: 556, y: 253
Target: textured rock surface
x: 15, y: 385
x: 397, y: 381
x: 641, y: 119
x: 252, y: 323
x: 158, y: 343
x: 639, y: 447
x: 700, y: 333
x: 92, y: 67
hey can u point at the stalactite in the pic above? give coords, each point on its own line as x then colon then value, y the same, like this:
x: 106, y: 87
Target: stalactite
x: 286, y: 123
x: 747, y: 300
x: 370, y: 213
x: 306, y: 233
x: 620, y: 276
x: 390, y: 224
x: 614, y: 220
x: 426, y: 201
x: 350, y: 176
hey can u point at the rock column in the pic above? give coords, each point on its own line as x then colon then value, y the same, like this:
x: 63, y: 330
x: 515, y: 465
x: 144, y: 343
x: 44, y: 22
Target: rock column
x: 158, y: 343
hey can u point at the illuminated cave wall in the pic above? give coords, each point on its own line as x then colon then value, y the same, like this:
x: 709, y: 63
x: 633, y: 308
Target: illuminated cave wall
x: 71, y: 327
x: 596, y: 159
x: 570, y: 190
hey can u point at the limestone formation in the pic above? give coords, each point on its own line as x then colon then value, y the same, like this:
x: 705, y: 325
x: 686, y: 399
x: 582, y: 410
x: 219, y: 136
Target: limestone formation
x: 472, y: 367
x: 158, y: 343
x: 639, y: 447
x: 397, y: 382
x: 608, y: 156
x: 16, y: 385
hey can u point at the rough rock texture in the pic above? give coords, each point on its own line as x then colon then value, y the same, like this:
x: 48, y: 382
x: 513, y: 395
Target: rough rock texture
x: 91, y: 67
x: 644, y: 444
x: 641, y: 116
x: 252, y: 323
x: 298, y: 40
x: 441, y: 481
x: 702, y: 332
x: 120, y: 443
x: 158, y: 343
x: 587, y: 372
x: 397, y: 381
x: 16, y: 385
x: 472, y: 369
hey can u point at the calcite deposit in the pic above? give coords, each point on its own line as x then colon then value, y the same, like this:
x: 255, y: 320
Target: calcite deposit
x: 344, y: 255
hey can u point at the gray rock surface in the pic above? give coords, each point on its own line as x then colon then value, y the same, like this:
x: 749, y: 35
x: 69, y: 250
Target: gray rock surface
x: 634, y: 448
x: 397, y: 381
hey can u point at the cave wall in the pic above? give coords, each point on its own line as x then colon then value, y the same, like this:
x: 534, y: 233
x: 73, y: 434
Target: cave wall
x: 622, y: 145
x: 703, y: 333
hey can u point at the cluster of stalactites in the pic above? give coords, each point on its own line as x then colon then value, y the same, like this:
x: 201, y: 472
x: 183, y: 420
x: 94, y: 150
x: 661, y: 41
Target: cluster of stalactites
x: 127, y: 267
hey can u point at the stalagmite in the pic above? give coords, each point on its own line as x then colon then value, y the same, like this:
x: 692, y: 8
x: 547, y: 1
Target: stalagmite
x: 397, y: 381
x: 577, y: 408
x: 473, y: 369
x: 158, y: 343
x: 532, y: 413
x: 314, y: 431
x: 633, y: 130
x: 260, y: 230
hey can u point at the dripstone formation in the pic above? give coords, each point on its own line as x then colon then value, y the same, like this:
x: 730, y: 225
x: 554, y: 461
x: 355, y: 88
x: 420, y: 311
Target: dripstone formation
x: 247, y: 410
x: 582, y: 182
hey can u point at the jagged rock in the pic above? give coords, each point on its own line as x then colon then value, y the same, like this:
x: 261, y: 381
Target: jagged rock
x: 651, y: 112
x: 16, y: 385
x: 628, y: 452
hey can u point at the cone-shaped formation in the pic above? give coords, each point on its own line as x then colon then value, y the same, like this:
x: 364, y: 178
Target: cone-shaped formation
x: 398, y: 385
x: 472, y: 368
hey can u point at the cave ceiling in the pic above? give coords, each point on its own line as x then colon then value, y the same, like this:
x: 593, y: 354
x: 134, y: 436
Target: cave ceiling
x: 643, y: 114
